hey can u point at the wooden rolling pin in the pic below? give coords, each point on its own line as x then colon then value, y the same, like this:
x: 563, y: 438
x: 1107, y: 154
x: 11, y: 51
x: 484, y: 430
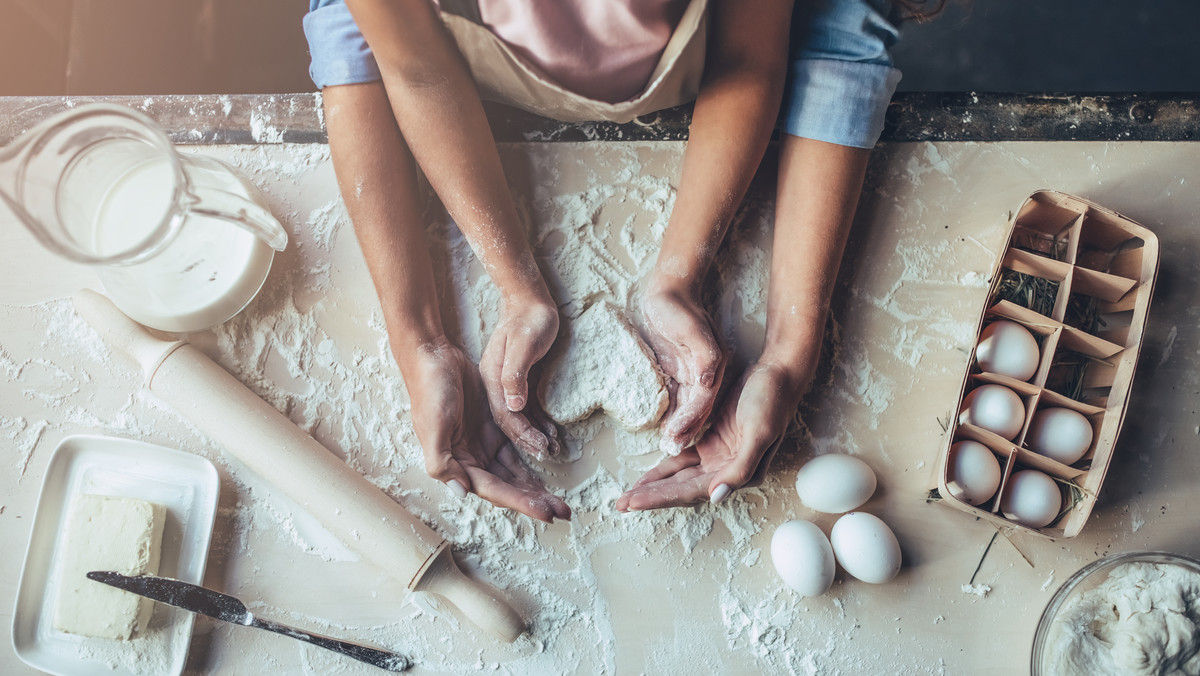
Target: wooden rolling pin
x: 360, y: 514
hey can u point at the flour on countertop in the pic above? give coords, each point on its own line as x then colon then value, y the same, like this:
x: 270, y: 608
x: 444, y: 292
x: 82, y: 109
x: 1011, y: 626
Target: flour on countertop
x: 980, y: 590
x: 1049, y: 581
x: 595, y: 240
x: 261, y: 129
x: 151, y: 653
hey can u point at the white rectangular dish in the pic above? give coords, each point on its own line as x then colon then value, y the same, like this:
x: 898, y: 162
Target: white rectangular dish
x: 186, y: 485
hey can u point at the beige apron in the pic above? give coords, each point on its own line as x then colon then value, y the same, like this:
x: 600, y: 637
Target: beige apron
x: 503, y: 76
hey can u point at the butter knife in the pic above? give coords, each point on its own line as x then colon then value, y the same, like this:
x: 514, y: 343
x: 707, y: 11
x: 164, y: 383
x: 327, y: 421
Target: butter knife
x: 225, y: 607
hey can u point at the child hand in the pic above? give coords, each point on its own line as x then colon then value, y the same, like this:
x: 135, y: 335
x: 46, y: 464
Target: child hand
x: 526, y: 331
x: 735, y: 452
x: 681, y: 336
x: 463, y: 447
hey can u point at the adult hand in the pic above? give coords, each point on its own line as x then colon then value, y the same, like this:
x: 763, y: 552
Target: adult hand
x: 735, y: 452
x: 681, y: 336
x: 463, y: 447
x: 524, y: 335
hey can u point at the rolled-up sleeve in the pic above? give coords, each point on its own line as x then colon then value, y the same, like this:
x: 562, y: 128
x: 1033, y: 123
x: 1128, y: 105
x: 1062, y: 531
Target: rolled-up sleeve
x: 841, y: 77
x: 339, y: 52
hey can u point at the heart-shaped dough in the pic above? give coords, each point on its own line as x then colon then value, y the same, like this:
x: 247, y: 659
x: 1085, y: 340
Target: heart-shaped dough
x: 604, y: 364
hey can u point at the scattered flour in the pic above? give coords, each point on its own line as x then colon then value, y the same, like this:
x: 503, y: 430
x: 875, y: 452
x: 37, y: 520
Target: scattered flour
x: 261, y: 129
x: 1169, y: 345
x: 980, y: 590
x: 595, y: 239
x: 1049, y: 581
x: 152, y: 653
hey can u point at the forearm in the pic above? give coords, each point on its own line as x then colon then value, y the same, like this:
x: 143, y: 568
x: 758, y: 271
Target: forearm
x: 731, y: 126
x: 818, y: 190
x: 437, y: 108
x: 378, y: 182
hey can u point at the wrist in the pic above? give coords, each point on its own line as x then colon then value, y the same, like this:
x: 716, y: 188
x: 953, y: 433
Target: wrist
x: 668, y: 282
x: 795, y: 360
x: 413, y: 341
x: 794, y: 329
x: 526, y: 293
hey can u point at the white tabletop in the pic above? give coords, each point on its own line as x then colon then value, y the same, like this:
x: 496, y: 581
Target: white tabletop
x: 677, y: 591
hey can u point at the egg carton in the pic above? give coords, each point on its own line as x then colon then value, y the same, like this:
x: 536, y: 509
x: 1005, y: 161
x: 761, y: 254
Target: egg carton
x: 1104, y: 266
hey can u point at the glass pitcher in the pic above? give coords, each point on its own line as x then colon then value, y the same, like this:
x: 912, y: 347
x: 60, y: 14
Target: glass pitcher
x: 180, y: 242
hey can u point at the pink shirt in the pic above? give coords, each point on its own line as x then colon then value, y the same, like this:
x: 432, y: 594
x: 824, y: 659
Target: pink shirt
x: 602, y: 49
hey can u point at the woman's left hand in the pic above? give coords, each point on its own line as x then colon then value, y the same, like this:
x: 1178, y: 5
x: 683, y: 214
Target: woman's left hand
x: 737, y: 449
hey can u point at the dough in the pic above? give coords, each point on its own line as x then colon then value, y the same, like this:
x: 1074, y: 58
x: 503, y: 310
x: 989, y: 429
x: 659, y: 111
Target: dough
x: 107, y: 533
x: 1141, y: 620
x: 604, y: 364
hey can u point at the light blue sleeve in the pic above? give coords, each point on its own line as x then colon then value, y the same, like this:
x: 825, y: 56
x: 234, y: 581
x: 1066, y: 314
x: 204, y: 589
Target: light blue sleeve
x: 339, y: 52
x: 841, y: 78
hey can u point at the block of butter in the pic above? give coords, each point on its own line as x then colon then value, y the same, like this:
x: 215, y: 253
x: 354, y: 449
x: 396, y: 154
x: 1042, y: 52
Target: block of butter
x: 107, y: 533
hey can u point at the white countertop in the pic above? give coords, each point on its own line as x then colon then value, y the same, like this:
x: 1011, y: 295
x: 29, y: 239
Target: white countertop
x: 677, y: 591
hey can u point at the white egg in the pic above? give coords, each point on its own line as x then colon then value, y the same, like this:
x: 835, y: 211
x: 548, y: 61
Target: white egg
x: 974, y: 472
x: 835, y: 483
x: 1059, y: 433
x: 803, y: 557
x: 994, y: 408
x: 1031, y: 498
x: 1009, y: 349
x: 865, y: 547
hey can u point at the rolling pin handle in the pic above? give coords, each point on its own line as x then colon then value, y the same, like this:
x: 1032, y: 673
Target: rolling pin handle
x: 476, y: 601
x: 123, y: 333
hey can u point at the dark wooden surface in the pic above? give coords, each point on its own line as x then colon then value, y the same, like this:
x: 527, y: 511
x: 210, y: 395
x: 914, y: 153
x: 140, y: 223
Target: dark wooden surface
x: 297, y: 118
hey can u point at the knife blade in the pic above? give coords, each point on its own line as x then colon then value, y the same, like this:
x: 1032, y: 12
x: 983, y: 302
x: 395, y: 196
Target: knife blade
x: 224, y: 607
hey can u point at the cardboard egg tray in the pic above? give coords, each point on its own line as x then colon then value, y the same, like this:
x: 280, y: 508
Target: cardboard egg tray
x: 1105, y: 266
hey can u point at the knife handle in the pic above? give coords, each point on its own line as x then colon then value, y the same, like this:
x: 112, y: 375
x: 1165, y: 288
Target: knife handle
x: 373, y: 656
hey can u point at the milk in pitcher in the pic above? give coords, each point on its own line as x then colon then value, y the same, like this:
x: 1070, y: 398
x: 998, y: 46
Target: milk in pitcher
x: 208, y: 273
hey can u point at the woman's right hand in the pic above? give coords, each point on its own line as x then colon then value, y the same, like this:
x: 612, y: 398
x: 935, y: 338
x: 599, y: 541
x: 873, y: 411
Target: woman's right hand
x: 462, y: 445
x: 526, y: 330
x: 681, y: 335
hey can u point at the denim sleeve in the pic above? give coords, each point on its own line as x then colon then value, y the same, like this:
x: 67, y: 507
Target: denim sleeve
x: 339, y: 52
x: 841, y: 77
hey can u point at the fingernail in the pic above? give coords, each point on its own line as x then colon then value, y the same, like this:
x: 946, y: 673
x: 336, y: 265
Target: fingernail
x: 515, y: 402
x: 456, y: 488
x: 720, y: 493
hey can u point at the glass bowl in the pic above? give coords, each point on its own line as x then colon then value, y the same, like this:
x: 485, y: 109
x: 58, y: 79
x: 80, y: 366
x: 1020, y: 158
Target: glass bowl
x: 1084, y: 580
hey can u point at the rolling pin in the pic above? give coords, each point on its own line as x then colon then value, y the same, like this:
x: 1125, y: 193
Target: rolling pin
x: 356, y: 511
